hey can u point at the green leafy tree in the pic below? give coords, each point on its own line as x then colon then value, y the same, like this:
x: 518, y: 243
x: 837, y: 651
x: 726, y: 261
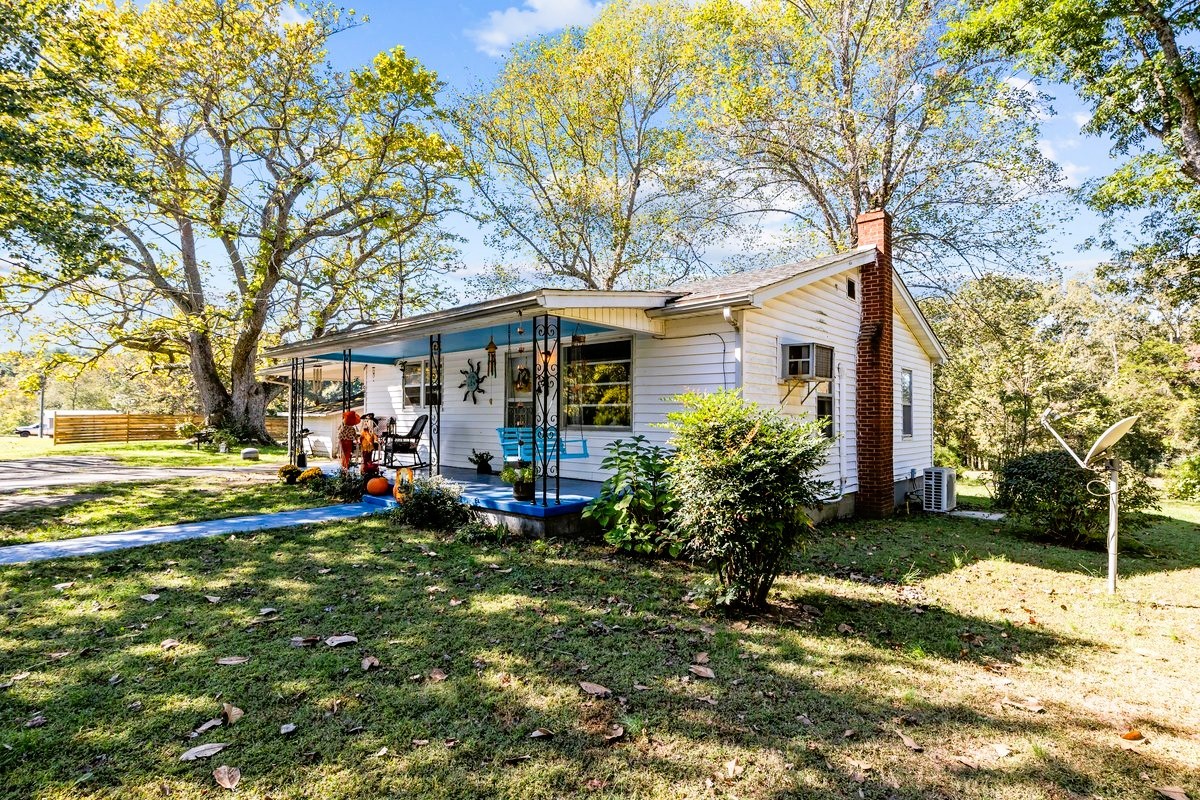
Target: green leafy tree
x: 830, y: 108
x: 263, y: 168
x: 581, y: 163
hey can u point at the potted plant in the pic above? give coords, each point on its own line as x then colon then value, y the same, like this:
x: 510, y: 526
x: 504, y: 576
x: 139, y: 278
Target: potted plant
x: 520, y: 475
x: 288, y: 473
x: 482, y: 461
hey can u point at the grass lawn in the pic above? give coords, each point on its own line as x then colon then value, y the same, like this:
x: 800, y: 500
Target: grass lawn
x: 135, y: 454
x: 919, y: 632
x: 115, y: 507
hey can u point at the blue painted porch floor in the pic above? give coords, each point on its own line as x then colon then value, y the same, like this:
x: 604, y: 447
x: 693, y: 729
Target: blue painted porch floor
x: 488, y: 491
x: 90, y: 545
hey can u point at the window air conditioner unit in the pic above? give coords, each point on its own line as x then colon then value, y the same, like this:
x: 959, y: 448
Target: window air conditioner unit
x: 808, y: 361
x: 938, y: 491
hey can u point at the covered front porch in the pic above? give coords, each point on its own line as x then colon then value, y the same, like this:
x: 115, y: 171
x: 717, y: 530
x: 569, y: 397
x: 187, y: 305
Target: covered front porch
x: 542, y: 377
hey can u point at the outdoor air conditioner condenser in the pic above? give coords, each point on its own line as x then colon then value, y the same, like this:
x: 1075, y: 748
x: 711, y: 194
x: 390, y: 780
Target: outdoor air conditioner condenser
x: 938, y: 491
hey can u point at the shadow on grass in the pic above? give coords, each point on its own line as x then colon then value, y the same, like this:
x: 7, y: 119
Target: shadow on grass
x: 533, y: 621
x: 906, y: 548
x: 115, y: 507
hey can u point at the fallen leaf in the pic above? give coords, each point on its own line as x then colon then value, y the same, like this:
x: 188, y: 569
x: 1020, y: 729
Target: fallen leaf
x: 287, y: 728
x: 1132, y: 736
x: 324, y: 571
x: 849, y: 733
x: 454, y: 601
x: 702, y: 672
x: 596, y: 784
x: 419, y: 742
x: 1029, y: 704
x: 231, y: 713
x: 305, y: 641
x: 62, y: 587
x: 207, y: 726
x: 615, y: 732
x: 150, y: 598
x: 909, y: 743
x: 58, y: 656
x: 541, y: 733
x: 380, y: 753
x: 733, y: 769
x: 370, y: 663
x: 36, y: 721
x: 1171, y: 792
x: 169, y: 644
x: 595, y: 689
x: 266, y: 611
x: 450, y: 743
x: 844, y: 628
x: 204, y: 751
x: 966, y: 762
x: 338, y: 641
x: 700, y: 658
x: 641, y: 687
x: 212, y: 598
x: 1001, y: 750
x: 227, y: 777
x: 516, y: 759
x: 232, y: 661
x: 708, y: 698
x: 437, y: 675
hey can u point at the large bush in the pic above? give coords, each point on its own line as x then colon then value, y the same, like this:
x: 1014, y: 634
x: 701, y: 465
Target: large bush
x: 434, y: 504
x: 1183, y: 479
x: 1057, y: 500
x: 743, y: 477
x: 635, y: 504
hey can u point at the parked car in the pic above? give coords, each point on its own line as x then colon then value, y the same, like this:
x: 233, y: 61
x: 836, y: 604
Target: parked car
x: 32, y: 430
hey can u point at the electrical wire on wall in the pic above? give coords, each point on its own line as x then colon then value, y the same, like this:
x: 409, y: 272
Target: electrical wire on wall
x: 724, y: 351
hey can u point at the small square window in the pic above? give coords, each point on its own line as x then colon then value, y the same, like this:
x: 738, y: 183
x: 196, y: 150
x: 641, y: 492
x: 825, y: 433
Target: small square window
x: 851, y: 289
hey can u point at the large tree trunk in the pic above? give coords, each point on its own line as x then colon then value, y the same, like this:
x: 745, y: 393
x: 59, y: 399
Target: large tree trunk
x: 242, y: 405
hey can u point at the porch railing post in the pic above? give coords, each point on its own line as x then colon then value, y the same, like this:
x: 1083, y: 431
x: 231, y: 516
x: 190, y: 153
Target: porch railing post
x: 293, y: 431
x: 347, y: 369
x: 435, y: 404
x: 547, y: 404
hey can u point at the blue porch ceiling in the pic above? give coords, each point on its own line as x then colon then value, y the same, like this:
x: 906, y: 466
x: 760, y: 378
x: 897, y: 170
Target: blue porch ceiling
x: 475, y: 339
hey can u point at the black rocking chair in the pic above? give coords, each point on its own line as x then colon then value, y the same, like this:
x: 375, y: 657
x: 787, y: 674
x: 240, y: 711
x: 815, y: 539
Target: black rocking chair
x: 409, y: 444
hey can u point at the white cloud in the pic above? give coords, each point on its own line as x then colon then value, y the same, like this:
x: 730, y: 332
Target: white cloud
x: 290, y: 15
x: 1074, y: 173
x: 503, y: 28
x: 1081, y: 118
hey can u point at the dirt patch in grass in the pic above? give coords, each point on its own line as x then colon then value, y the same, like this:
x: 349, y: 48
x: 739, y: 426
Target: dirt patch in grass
x: 917, y: 658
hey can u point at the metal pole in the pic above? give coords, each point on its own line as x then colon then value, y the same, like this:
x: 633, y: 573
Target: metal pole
x: 1114, y: 471
x: 41, y: 405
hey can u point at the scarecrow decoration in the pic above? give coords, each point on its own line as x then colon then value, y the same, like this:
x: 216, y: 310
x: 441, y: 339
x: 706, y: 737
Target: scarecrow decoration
x: 346, y: 435
x: 368, y: 440
x: 473, y: 381
x: 491, y: 351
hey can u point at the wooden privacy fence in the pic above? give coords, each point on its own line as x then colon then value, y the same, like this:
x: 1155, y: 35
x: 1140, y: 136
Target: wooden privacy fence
x: 69, y: 429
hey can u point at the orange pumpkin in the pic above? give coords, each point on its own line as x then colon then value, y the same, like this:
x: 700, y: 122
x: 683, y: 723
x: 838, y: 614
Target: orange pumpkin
x: 378, y: 487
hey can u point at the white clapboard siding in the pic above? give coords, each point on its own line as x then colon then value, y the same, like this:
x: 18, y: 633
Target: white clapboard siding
x: 912, y: 452
x: 823, y: 313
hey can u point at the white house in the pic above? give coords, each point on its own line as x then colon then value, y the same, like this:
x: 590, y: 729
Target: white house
x: 838, y: 337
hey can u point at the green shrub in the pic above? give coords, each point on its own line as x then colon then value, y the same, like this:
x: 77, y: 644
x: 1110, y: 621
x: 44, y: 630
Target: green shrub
x: 434, y: 504
x: 1056, y: 500
x: 511, y: 474
x: 635, y: 504
x: 476, y: 531
x: 347, y: 485
x: 944, y: 456
x: 1183, y: 479
x: 186, y: 430
x: 743, y: 476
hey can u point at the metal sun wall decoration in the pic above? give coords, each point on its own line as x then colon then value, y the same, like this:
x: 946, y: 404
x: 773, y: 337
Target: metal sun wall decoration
x: 473, y: 381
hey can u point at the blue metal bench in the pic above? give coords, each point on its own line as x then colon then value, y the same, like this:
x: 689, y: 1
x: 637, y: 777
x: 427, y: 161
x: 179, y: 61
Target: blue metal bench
x: 517, y: 444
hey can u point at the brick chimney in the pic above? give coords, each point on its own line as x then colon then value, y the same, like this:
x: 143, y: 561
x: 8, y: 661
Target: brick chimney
x: 876, y: 383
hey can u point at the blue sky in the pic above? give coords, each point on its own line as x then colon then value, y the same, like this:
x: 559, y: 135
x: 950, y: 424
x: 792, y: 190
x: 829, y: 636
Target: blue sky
x: 463, y: 41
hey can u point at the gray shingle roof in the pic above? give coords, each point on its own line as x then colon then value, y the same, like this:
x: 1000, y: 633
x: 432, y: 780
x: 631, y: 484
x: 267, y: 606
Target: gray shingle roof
x: 739, y: 283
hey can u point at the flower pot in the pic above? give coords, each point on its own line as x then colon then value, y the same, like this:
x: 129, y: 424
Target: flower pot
x: 523, y: 490
x: 483, y: 469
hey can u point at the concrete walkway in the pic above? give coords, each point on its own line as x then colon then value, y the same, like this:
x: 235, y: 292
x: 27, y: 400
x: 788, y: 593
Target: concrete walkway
x: 48, y: 471
x: 90, y: 545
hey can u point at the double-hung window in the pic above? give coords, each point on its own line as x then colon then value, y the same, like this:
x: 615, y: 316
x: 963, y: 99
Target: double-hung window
x: 906, y: 402
x: 596, y: 384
